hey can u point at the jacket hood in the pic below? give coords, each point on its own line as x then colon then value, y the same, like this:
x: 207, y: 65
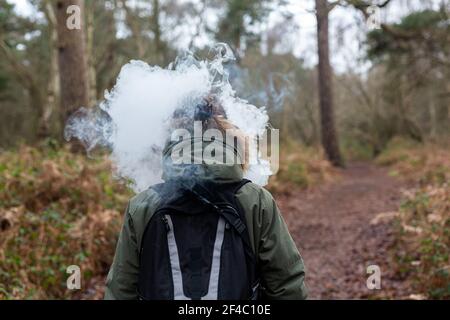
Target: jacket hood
x: 195, y: 159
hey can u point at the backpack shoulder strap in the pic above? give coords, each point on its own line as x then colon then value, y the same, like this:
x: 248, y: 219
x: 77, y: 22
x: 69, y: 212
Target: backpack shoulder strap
x: 226, y: 205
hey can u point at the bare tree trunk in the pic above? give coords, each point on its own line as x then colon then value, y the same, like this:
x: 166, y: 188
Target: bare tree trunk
x: 90, y: 53
x: 329, y: 135
x: 53, y: 89
x: 135, y: 30
x: 24, y: 76
x: 447, y: 107
x: 159, y: 45
x: 314, y: 137
x: 105, y: 54
x: 285, y: 120
x: 433, y: 132
x: 72, y: 61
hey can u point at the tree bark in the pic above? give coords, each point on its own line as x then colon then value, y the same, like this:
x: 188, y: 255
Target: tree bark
x: 328, y: 130
x: 73, y: 65
x: 24, y: 76
x: 90, y: 53
x: 53, y: 92
x: 156, y: 27
x: 136, y: 31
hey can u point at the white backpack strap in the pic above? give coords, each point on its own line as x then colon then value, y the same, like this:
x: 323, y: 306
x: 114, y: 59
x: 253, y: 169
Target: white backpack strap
x: 213, y: 287
x: 178, y: 293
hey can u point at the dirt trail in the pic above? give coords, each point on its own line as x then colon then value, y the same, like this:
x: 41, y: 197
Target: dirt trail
x: 331, y: 226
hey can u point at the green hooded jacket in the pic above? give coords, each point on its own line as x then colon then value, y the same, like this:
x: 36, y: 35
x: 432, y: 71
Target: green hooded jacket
x: 281, y: 267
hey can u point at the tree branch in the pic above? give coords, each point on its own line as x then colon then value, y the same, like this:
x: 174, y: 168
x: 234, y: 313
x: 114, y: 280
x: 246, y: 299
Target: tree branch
x: 21, y: 72
x: 362, y: 6
x: 23, y: 75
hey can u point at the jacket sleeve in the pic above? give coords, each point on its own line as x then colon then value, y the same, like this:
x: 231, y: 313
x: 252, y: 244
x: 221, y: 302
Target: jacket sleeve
x: 121, y: 283
x: 281, y: 266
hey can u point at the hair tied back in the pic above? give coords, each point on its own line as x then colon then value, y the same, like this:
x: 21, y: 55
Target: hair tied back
x: 203, y: 111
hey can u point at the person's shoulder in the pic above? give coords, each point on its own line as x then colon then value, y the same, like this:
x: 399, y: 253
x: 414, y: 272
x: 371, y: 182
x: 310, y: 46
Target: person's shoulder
x: 255, y: 193
x: 141, y: 201
x: 140, y: 210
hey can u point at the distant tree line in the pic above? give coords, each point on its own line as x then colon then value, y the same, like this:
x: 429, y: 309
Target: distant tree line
x: 47, y: 71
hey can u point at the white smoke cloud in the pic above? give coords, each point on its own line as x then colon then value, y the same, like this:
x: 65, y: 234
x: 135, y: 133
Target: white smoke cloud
x: 133, y: 120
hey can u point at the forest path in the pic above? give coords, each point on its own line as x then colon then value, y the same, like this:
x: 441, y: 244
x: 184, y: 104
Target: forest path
x: 334, y: 229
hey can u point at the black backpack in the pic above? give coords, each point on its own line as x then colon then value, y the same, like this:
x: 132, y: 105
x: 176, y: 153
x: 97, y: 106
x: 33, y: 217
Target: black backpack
x: 196, y: 246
